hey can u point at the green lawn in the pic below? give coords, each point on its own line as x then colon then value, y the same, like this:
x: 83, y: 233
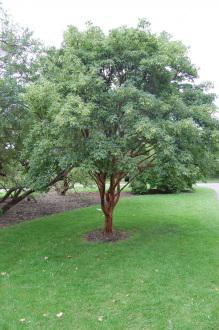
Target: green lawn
x: 166, y: 276
x: 94, y: 188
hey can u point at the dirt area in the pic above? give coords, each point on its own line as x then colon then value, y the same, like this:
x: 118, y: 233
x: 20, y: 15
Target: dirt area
x: 49, y: 203
x: 100, y: 236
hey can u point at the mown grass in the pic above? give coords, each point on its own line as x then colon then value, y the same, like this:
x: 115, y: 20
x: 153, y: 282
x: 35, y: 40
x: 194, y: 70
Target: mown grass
x: 94, y: 188
x: 166, y: 276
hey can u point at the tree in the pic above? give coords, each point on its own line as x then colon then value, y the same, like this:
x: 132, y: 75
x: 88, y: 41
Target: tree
x: 188, y: 166
x: 170, y: 177
x: 114, y: 104
x: 76, y: 175
x: 18, y: 51
x: 19, y: 54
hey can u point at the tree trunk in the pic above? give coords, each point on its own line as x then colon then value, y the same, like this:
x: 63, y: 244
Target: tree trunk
x: 18, y: 198
x: 108, y: 198
x: 108, y: 229
x: 7, y: 195
x: 15, y: 201
x: 65, y: 186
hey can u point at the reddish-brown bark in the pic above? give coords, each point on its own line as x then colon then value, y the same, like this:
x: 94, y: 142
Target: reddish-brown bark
x: 108, y: 198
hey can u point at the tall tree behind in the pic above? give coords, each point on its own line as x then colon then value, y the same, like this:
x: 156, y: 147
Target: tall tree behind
x: 18, y: 67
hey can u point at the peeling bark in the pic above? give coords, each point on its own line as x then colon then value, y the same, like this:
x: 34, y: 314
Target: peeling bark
x: 108, y: 198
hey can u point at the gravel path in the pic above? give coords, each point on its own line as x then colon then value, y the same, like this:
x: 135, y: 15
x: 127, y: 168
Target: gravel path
x: 214, y: 186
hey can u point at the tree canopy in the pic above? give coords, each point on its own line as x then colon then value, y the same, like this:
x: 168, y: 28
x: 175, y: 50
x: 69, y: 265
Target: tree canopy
x: 18, y: 57
x: 116, y: 104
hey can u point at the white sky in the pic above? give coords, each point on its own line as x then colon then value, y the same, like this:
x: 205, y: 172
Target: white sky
x: 195, y: 22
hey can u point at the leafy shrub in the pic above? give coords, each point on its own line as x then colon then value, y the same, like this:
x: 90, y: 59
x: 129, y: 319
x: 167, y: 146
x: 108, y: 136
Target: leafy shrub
x: 168, y: 178
x: 216, y: 172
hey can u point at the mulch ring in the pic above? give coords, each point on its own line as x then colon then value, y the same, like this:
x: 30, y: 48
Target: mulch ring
x: 100, y: 236
x: 49, y: 203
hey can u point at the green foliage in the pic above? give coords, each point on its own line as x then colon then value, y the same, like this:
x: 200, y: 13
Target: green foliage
x: 18, y: 52
x: 76, y: 176
x: 177, y: 174
x: 216, y: 169
x: 80, y: 175
x: 169, y: 178
x: 112, y: 104
x: 117, y: 103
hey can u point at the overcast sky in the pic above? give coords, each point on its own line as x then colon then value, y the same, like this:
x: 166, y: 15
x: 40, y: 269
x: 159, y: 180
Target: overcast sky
x: 195, y: 22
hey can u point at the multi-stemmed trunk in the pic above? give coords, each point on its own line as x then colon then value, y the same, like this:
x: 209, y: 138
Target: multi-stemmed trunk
x: 7, y: 194
x: 15, y: 199
x: 16, y: 194
x: 108, y: 198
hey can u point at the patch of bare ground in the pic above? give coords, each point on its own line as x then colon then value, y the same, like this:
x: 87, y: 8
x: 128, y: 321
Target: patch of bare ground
x: 49, y: 203
x: 100, y: 236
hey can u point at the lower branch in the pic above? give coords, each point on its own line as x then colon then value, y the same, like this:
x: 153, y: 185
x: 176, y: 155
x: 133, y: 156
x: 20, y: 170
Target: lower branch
x: 7, y: 194
x: 20, y: 194
x: 15, y: 200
